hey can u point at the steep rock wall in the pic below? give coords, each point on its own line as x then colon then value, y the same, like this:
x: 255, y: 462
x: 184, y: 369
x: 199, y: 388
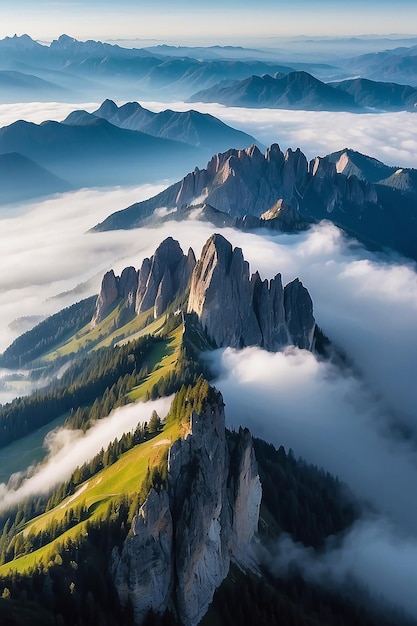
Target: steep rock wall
x: 185, y: 538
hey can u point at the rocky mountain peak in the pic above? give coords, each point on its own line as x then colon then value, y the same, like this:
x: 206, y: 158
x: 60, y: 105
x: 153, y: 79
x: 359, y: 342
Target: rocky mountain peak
x: 162, y: 277
x: 107, y: 109
x: 185, y: 537
x: 234, y: 308
x: 108, y: 295
x: 238, y: 310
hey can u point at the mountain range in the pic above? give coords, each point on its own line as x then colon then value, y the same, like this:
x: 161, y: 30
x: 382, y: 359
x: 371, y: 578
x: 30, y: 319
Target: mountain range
x: 393, y: 65
x: 301, y: 90
x: 191, y: 127
x: 369, y: 200
x: 96, y: 68
x: 125, y: 500
x: 71, y: 68
x: 112, y: 146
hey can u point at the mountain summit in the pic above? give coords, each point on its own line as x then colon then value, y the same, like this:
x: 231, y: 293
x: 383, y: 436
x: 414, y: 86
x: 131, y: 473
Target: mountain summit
x: 233, y: 307
x: 354, y: 191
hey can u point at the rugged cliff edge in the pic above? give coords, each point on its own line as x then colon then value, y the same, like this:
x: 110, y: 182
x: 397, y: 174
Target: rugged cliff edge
x: 283, y: 190
x: 185, y: 537
x: 233, y: 307
x: 247, y: 182
x: 238, y: 310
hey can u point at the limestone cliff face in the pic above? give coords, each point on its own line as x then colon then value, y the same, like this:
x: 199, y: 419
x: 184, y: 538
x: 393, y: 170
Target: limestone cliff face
x: 185, y: 538
x: 248, y: 183
x: 299, y: 314
x: 112, y: 288
x: 144, y: 571
x: 233, y: 307
x: 221, y: 295
x: 238, y: 310
x: 162, y: 277
x: 109, y: 292
x: 158, y: 282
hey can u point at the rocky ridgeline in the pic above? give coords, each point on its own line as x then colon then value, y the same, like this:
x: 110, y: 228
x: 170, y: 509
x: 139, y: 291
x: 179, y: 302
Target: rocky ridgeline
x: 241, y: 182
x: 160, y: 279
x: 248, y: 183
x: 185, y: 537
x: 234, y: 308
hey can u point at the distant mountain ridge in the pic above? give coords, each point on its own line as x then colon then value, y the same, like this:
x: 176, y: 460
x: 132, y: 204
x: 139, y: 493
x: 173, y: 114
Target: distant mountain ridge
x: 395, y: 65
x: 21, y: 179
x: 352, y: 190
x: 300, y: 90
x: 95, y: 154
x: 108, y: 147
x: 107, y: 68
x: 295, y: 90
x: 197, y: 129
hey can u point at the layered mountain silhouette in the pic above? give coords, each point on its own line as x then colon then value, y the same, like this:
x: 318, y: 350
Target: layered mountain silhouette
x: 197, y: 129
x: 101, y: 66
x: 98, y: 153
x: 355, y: 192
x: 396, y: 65
x: 296, y: 90
x: 21, y: 178
x: 21, y: 87
x: 379, y: 95
x: 301, y: 90
x: 113, y: 146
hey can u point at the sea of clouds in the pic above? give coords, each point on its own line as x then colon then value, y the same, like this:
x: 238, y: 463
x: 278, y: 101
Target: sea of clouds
x: 352, y: 421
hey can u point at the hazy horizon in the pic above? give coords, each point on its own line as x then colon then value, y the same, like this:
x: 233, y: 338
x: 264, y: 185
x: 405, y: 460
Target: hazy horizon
x: 239, y: 21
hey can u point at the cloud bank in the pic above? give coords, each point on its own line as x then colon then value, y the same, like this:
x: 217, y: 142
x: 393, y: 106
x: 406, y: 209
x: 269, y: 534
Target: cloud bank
x: 328, y: 417
x: 389, y: 137
x: 69, y: 449
x: 46, y: 251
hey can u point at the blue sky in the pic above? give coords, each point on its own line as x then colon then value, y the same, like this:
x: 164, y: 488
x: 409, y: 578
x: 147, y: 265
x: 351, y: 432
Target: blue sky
x: 211, y: 22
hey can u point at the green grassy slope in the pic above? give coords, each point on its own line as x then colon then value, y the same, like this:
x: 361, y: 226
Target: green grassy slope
x: 124, y: 477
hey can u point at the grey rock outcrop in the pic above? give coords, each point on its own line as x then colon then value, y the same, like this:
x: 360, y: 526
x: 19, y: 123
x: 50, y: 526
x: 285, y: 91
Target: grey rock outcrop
x: 144, y: 571
x: 238, y: 310
x: 221, y: 295
x: 109, y: 293
x: 185, y: 538
x: 299, y: 314
x: 233, y: 307
x: 246, y: 182
x: 114, y: 288
x: 162, y: 277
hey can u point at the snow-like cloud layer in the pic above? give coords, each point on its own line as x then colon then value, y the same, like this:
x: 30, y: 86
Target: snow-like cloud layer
x: 389, y: 137
x: 69, y: 449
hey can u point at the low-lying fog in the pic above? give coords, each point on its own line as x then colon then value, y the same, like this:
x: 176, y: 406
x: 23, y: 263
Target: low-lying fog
x: 389, y: 137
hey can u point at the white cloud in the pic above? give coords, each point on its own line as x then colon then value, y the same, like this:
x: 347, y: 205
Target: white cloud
x: 69, y: 449
x: 385, y: 136
x: 38, y: 112
x: 328, y: 417
x: 46, y: 250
